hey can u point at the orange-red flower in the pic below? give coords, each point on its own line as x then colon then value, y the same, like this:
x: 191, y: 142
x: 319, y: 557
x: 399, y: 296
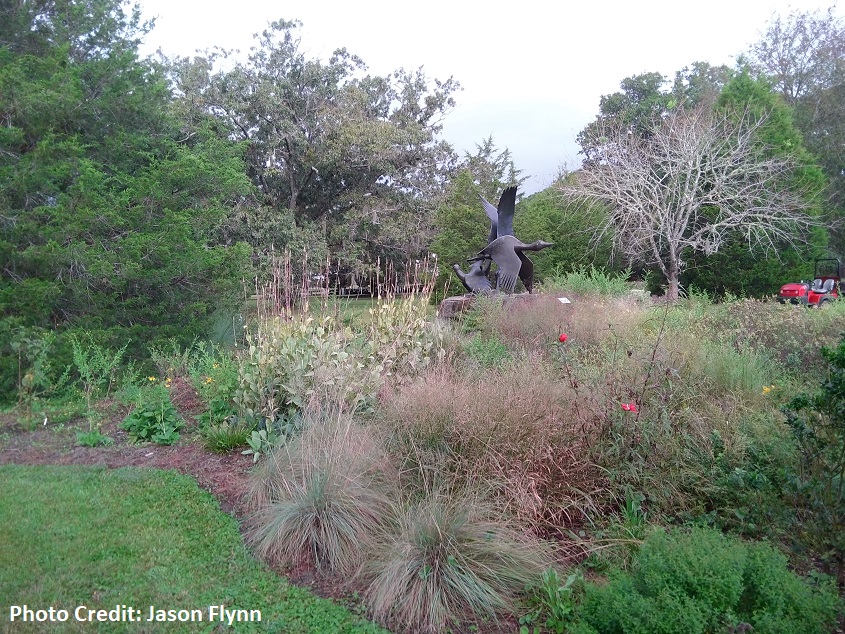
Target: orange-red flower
x: 563, y: 337
x: 630, y: 407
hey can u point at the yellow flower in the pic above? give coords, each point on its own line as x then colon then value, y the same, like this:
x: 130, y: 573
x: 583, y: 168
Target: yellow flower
x: 152, y: 379
x: 208, y: 380
x: 768, y: 388
x: 216, y: 365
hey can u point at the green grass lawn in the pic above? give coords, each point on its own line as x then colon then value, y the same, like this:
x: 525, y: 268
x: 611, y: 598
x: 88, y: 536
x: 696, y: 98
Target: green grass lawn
x: 100, y: 538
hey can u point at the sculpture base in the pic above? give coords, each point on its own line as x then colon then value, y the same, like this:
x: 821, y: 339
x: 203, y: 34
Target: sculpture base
x: 454, y: 306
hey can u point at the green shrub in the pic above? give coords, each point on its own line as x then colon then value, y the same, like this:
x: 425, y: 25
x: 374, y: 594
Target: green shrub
x: 97, y: 367
x: 487, y: 352
x: 776, y: 601
x: 214, y: 375
x: 591, y: 281
x: 453, y: 559
x: 171, y: 358
x: 817, y: 422
x: 154, y: 419
x: 700, y: 581
x: 554, y: 602
x: 288, y: 364
x: 93, y: 438
x: 261, y: 442
x: 37, y: 377
x: 402, y: 338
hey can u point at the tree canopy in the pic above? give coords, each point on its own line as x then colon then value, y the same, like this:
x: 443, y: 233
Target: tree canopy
x: 648, y: 133
x: 353, y: 159
x: 109, y: 215
x: 803, y: 55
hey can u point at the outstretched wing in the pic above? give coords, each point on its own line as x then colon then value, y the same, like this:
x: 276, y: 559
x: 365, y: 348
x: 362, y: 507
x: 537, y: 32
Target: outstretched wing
x: 493, y: 214
x: 506, y: 258
x: 507, y: 206
x: 526, y: 271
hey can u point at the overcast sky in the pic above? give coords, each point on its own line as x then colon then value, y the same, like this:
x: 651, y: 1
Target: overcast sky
x: 532, y: 73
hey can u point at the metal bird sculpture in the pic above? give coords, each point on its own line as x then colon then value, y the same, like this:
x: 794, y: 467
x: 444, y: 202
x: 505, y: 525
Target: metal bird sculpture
x: 476, y: 279
x: 507, y: 252
x: 504, y: 249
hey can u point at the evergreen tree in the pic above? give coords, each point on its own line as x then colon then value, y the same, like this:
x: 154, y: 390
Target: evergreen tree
x: 110, y: 216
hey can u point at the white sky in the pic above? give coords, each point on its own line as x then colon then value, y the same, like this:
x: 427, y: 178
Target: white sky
x: 532, y: 73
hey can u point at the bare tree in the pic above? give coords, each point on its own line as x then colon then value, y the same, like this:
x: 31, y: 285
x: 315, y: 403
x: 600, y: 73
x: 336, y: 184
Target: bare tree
x: 701, y: 178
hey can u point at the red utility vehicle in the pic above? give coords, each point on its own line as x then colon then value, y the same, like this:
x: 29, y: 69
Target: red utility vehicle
x: 824, y: 287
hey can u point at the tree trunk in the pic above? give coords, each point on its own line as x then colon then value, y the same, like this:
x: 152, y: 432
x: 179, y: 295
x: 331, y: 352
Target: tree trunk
x: 673, y: 292
x: 673, y: 274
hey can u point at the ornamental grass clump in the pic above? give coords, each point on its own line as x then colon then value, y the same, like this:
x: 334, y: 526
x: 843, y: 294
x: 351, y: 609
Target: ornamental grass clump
x: 225, y: 436
x: 452, y: 560
x: 517, y: 428
x: 323, y: 499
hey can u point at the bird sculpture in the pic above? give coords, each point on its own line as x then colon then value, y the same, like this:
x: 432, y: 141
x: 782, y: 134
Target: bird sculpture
x: 507, y: 252
x: 476, y: 280
x: 505, y: 249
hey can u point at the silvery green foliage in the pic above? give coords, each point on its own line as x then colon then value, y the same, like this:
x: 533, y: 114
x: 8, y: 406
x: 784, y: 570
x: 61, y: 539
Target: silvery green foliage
x: 402, y: 338
x: 289, y: 364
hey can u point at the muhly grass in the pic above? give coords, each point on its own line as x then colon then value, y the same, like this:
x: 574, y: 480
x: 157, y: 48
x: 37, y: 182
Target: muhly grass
x: 532, y: 324
x: 81, y: 536
x: 548, y: 426
x: 323, y: 498
x: 512, y: 427
x: 452, y: 558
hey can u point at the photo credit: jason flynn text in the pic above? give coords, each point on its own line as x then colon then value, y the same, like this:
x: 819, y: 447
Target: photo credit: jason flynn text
x: 131, y: 614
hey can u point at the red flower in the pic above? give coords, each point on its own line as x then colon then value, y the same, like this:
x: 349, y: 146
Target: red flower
x: 630, y: 407
x: 563, y: 338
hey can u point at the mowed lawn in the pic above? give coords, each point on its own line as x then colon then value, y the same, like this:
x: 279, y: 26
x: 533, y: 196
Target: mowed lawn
x: 100, y: 538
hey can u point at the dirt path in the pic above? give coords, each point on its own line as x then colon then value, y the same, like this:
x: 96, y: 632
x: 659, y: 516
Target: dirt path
x: 224, y: 476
